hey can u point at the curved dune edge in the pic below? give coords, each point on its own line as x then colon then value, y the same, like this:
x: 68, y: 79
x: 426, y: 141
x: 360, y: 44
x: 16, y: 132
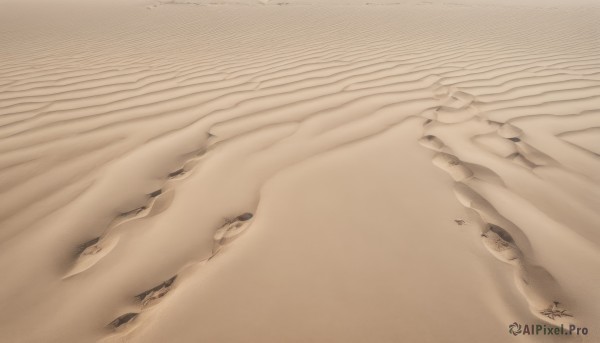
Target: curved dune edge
x: 260, y: 164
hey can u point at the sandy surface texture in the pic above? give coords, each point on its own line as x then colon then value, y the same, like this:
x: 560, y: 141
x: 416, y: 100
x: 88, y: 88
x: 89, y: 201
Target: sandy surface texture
x: 299, y: 171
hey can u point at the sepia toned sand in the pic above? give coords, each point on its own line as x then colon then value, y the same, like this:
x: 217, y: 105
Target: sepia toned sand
x: 298, y: 171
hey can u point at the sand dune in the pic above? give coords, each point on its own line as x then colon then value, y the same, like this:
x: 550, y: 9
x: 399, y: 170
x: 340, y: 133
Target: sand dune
x: 298, y: 171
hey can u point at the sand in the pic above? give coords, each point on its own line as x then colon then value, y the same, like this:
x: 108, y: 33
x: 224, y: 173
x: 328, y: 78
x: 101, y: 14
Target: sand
x: 298, y: 171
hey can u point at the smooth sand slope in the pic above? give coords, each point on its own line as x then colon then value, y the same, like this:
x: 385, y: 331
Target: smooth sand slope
x: 262, y: 171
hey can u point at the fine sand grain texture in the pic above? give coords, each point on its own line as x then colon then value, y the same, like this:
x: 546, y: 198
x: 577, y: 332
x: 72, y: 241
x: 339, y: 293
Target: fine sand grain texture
x: 299, y: 171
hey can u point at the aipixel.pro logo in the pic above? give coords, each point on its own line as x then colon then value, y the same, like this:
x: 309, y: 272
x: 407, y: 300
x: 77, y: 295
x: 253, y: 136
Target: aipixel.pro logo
x: 516, y: 329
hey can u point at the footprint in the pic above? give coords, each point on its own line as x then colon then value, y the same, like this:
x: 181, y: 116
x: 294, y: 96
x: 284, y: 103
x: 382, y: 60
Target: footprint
x: 212, y: 141
x: 155, y: 193
x: 124, y: 217
x: 150, y: 296
x: 543, y: 294
x: 471, y: 199
x: 137, y: 212
x: 176, y: 174
x: 501, y: 244
x: 493, y: 123
x: 431, y: 142
x: 465, y: 99
x: 456, y: 107
x: 187, y: 166
x: 430, y: 113
x: 485, y: 174
x: 123, y: 323
x: 449, y: 115
x: 83, y: 247
x: 509, y: 131
x: 134, y: 212
x: 90, y: 253
x: 231, y: 230
x: 161, y: 203
x: 520, y: 160
x: 535, y: 156
x: 452, y: 165
x: 456, y: 99
x: 439, y: 91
